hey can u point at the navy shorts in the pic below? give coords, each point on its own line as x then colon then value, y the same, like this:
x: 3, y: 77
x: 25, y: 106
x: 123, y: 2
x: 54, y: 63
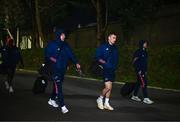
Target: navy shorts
x: 108, y: 75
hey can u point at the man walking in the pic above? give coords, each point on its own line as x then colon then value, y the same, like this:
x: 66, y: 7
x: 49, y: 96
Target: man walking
x: 57, y: 55
x: 107, y: 55
x: 11, y: 56
x: 140, y: 61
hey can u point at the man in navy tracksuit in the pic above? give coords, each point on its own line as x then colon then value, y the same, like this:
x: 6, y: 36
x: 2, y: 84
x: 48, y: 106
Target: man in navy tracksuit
x: 140, y: 61
x: 107, y: 55
x: 57, y: 54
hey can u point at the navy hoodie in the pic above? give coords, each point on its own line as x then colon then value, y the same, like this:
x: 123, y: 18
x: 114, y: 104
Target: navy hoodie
x: 108, y: 53
x: 141, y: 58
x: 61, y: 51
x: 11, y: 56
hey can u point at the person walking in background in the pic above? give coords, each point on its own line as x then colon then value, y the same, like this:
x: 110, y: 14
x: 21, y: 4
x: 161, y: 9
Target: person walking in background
x: 11, y: 56
x: 107, y: 55
x: 57, y: 55
x: 140, y: 62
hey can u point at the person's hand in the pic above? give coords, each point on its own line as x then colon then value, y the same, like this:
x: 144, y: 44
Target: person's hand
x: 78, y: 66
x: 53, y: 59
x: 102, y: 61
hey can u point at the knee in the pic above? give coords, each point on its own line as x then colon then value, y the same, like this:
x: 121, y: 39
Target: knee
x: 108, y: 89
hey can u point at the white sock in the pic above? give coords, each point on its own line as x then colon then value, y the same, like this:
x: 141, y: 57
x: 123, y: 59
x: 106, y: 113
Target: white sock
x: 101, y: 97
x: 106, y: 100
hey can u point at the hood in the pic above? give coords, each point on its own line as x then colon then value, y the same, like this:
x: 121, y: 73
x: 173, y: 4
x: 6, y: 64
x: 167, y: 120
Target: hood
x: 141, y: 43
x: 58, y: 33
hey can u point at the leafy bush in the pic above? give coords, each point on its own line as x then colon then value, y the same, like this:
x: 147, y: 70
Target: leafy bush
x: 163, y: 68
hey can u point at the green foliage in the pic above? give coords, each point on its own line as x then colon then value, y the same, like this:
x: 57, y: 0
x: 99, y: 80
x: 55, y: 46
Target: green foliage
x: 163, y: 70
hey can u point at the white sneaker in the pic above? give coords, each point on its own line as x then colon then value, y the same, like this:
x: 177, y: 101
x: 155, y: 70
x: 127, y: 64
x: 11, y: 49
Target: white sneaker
x: 148, y: 101
x: 100, y: 103
x: 108, y: 107
x: 136, y: 98
x: 53, y: 103
x: 64, y: 110
x: 6, y: 84
x: 11, y: 90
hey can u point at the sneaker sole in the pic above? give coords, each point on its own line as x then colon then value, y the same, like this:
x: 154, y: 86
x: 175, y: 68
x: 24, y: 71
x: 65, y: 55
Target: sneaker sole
x: 65, y: 112
x: 101, y: 108
x: 52, y: 104
x: 148, y: 103
x: 108, y: 109
x: 136, y: 100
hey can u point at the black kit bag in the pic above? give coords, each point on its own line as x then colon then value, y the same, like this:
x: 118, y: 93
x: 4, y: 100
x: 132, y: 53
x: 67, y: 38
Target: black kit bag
x: 45, y: 75
x: 96, y: 68
x: 45, y: 71
x: 127, y: 88
x: 40, y: 85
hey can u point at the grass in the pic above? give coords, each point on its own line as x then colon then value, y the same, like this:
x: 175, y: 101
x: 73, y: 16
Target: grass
x: 163, y: 68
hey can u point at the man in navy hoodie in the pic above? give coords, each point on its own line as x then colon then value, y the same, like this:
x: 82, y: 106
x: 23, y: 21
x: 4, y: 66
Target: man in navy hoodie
x: 107, y: 55
x: 140, y: 62
x: 57, y: 55
x: 11, y: 56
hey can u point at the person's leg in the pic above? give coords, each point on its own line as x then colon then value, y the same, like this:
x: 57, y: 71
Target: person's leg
x: 108, y: 87
x: 59, y: 77
x: 10, y: 76
x: 11, y: 72
x: 137, y: 86
x: 52, y: 100
x: 53, y: 94
x: 144, y: 90
x: 136, y: 89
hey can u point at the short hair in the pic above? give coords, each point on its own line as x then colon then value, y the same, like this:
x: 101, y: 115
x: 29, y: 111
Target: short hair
x: 112, y: 33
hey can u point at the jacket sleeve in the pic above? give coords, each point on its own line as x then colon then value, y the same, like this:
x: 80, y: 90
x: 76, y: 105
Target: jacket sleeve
x: 136, y: 61
x: 20, y: 57
x: 71, y: 55
x: 99, y: 53
x: 49, y: 52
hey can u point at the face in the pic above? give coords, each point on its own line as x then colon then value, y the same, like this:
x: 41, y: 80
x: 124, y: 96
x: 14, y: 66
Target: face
x: 145, y: 45
x: 63, y: 36
x: 112, y: 39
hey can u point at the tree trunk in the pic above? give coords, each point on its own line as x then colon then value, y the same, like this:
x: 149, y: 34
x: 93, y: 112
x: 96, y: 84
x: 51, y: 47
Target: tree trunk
x: 38, y: 22
x: 101, y: 17
x: 17, y: 38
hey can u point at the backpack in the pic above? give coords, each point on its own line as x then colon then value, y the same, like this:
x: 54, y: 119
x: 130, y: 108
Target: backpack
x: 127, y: 88
x: 39, y: 85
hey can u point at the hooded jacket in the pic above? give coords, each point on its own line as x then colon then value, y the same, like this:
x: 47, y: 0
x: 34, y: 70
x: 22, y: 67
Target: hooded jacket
x: 11, y: 56
x: 108, y: 53
x: 61, y: 51
x: 141, y: 58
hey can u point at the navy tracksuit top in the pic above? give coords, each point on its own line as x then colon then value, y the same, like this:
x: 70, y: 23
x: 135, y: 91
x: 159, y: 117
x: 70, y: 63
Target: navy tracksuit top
x: 61, y: 51
x: 142, y: 58
x: 108, y: 53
